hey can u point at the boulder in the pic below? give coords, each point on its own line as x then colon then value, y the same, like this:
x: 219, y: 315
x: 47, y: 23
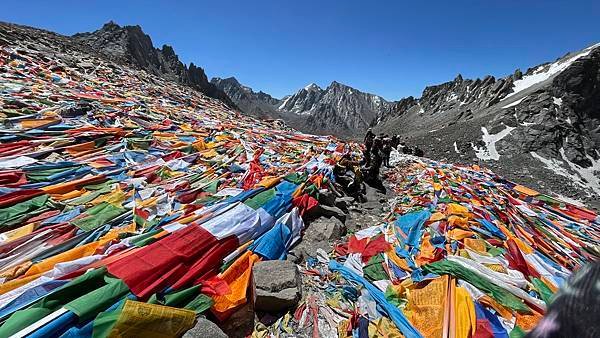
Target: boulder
x: 307, y: 248
x: 326, y: 197
x: 373, y: 194
x: 241, y: 323
x: 324, y: 229
x: 278, y: 285
x: 358, y: 221
x: 205, y: 328
x: 343, y: 202
x: 327, y: 211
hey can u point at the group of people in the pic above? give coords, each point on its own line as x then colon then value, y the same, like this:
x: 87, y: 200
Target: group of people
x: 350, y: 173
x: 379, y: 148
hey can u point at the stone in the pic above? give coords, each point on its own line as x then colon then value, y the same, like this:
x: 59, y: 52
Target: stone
x: 326, y: 197
x: 205, y: 328
x: 241, y: 323
x: 325, y: 211
x: 278, y: 285
x: 307, y: 248
x: 371, y: 205
x: 360, y: 221
x: 344, y: 202
x: 324, y: 229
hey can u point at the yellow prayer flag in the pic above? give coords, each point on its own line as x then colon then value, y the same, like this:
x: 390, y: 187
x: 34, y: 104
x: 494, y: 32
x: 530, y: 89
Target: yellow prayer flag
x: 152, y: 321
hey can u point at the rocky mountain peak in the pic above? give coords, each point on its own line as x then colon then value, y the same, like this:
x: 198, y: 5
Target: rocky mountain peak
x: 168, y: 51
x: 111, y: 25
x: 312, y: 87
x: 337, y: 85
x: 130, y: 45
x: 229, y: 80
x: 257, y: 104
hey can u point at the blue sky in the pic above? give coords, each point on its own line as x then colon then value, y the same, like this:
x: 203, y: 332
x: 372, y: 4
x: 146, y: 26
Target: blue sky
x: 391, y: 48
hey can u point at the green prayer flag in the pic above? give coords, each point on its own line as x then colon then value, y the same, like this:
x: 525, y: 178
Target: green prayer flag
x: 105, y: 321
x: 543, y: 290
x: 176, y: 299
x: 200, y: 304
x: 90, y: 304
x: 260, y: 199
x: 446, y: 267
x: 98, y: 215
x: 212, y: 187
x: 76, y: 288
x: 374, y: 270
x: 23, y: 208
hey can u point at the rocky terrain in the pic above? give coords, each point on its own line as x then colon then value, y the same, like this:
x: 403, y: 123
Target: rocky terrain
x: 338, y: 109
x: 259, y: 104
x: 541, y: 127
x: 130, y: 45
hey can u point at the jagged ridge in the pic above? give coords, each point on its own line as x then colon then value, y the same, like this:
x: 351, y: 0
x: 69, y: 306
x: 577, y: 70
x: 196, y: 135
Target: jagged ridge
x: 129, y: 44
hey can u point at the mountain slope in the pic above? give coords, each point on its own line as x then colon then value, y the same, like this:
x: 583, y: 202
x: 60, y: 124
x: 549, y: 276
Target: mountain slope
x: 259, y: 104
x: 542, y: 126
x: 129, y: 44
x: 337, y: 109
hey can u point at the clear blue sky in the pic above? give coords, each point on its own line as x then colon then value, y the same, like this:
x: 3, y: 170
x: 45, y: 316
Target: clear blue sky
x: 391, y: 48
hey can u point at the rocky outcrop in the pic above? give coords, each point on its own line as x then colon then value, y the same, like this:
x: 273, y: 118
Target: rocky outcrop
x: 129, y: 44
x: 344, y: 110
x: 278, y: 285
x: 259, y: 104
x: 337, y: 109
x: 325, y: 229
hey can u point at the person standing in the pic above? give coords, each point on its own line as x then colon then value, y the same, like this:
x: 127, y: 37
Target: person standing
x: 371, y: 176
x: 386, y: 150
x: 369, y: 138
x: 395, y: 141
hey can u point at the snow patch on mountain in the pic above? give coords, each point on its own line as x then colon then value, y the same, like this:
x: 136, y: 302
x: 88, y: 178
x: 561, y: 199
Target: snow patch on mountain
x: 312, y: 86
x: 284, y: 102
x: 587, y: 176
x: 540, y: 75
x: 557, y: 101
x: 489, y: 151
x: 514, y: 103
x: 584, y: 177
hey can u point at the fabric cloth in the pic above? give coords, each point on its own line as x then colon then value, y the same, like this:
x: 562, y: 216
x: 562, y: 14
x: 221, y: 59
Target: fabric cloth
x: 393, y: 312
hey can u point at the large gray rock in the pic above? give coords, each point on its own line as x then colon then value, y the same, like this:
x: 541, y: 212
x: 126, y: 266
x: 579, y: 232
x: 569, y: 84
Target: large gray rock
x: 344, y: 202
x: 324, y: 229
x: 326, y: 211
x: 357, y: 221
x: 307, y: 248
x: 373, y: 194
x: 278, y: 285
x: 205, y: 328
x: 327, y: 197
